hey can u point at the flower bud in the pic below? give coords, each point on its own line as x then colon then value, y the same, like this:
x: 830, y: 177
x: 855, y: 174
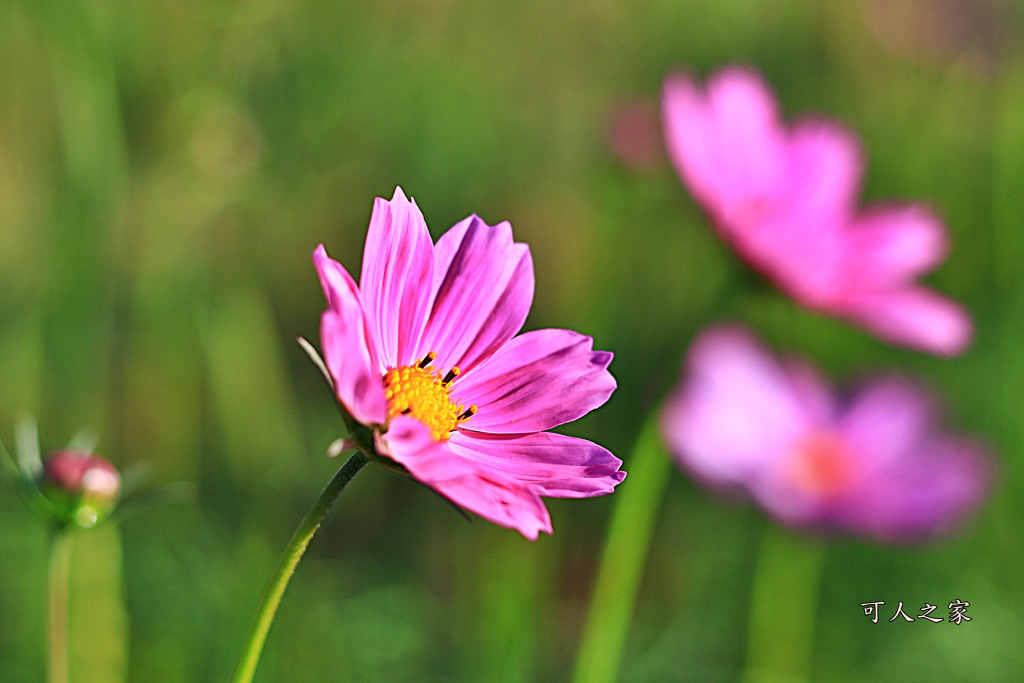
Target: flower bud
x: 83, y: 488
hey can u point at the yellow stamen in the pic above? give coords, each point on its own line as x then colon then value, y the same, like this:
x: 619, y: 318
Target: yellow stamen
x: 421, y: 392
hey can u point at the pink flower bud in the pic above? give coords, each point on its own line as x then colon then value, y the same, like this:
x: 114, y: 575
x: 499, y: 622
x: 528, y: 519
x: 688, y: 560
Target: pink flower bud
x: 83, y: 488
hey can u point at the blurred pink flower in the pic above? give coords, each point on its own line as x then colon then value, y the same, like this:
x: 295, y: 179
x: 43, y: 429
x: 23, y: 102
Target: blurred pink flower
x: 876, y: 465
x: 785, y: 200
x: 424, y: 353
x: 633, y: 134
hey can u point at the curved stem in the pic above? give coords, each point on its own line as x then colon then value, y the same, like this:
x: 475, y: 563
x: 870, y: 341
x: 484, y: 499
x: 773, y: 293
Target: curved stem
x: 57, y: 625
x: 246, y: 668
x: 783, y: 607
x: 624, y: 557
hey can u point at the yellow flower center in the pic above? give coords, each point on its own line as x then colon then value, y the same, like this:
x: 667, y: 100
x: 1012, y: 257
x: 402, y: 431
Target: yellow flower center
x: 821, y: 464
x: 422, y: 392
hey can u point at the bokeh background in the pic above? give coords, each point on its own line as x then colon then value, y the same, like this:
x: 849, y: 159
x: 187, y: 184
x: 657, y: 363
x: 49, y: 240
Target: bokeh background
x: 166, y: 169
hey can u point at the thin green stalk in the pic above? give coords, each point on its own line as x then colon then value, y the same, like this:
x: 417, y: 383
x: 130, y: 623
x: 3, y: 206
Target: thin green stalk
x: 247, y: 664
x: 624, y: 557
x: 57, y: 625
x: 783, y: 607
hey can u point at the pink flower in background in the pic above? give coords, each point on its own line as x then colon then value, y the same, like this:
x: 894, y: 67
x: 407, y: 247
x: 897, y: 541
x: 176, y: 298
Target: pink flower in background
x: 785, y: 200
x: 633, y: 134
x: 424, y: 352
x: 876, y: 465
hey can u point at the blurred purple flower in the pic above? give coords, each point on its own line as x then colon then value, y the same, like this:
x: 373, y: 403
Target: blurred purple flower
x: 424, y: 353
x: 876, y: 465
x: 785, y: 200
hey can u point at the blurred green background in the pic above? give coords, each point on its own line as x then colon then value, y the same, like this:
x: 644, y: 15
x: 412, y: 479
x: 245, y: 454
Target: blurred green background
x: 166, y: 169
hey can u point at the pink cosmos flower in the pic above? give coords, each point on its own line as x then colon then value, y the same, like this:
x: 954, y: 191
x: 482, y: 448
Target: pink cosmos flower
x: 785, y: 200
x: 875, y: 465
x: 424, y: 352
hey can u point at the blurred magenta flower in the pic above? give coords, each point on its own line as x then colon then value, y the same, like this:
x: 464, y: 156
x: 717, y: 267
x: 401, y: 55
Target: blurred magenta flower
x: 424, y: 353
x: 785, y: 200
x: 876, y: 465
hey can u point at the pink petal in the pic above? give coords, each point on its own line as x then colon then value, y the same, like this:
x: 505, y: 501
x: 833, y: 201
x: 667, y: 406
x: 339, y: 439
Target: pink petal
x: 349, y: 351
x: 888, y: 246
x: 396, y: 278
x: 773, y: 490
x: 538, y: 380
x: 553, y: 464
x: 338, y: 285
x: 688, y: 137
x: 728, y: 144
x: 914, y: 316
x: 488, y: 492
x: 926, y: 493
x: 810, y: 390
x: 825, y: 167
x: 357, y: 383
x: 749, y: 135
x: 886, y: 419
x: 483, y: 288
x: 801, y: 254
x: 798, y: 237
x: 735, y: 413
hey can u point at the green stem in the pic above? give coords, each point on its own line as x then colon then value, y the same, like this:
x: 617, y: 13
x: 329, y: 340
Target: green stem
x: 246, y: 668
x: 624, y: 557
x: 783, y: 607
x: 57, y: 626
